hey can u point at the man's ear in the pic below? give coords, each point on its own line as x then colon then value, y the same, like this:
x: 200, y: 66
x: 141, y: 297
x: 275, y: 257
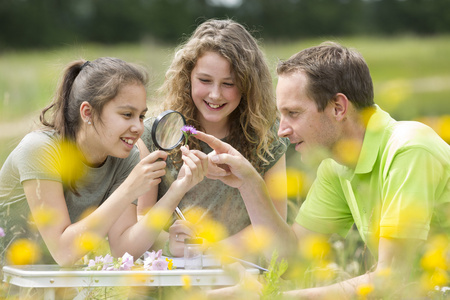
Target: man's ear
x: 340, y: 104
x: 86, y: 112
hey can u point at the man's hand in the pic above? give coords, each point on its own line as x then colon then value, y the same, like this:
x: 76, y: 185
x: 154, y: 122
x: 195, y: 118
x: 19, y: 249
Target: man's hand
x: 226, y: 163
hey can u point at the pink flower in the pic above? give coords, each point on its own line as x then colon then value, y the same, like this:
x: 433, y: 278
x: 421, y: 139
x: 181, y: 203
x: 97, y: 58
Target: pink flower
x: 152, y: 255
x: 2, y: 232
x: 159, y: 265
x: 127, y: 262
x: 100, y: 262
x: 154, y: 262
x: 188, y: 130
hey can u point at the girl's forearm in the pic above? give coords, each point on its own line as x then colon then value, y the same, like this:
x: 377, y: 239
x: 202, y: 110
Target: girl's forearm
x: 143, y: 234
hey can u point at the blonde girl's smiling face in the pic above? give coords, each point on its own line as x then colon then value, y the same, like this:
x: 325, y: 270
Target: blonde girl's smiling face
x: 120, y: 125
x: 214, y: 92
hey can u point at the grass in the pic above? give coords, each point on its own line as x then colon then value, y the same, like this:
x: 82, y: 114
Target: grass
x: 28, y: 78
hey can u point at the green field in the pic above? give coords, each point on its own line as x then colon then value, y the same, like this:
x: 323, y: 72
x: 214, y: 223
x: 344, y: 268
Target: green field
x: 411, y: 75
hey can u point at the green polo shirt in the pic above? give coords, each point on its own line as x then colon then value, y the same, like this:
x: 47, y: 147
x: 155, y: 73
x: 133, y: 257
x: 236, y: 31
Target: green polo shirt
x: 399, y: 188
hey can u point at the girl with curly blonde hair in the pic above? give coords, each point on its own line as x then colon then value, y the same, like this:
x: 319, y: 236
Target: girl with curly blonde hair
x: 220, y: 81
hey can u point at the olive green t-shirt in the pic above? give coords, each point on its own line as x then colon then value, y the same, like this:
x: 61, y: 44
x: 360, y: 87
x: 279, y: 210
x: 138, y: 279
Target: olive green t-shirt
x: 39, y: 156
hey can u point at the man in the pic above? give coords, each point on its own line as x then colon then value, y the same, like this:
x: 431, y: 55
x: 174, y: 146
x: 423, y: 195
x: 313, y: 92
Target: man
x: 393, y: 185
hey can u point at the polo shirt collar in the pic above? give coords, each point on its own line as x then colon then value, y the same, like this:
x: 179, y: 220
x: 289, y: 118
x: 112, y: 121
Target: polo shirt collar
x: 372, y: 140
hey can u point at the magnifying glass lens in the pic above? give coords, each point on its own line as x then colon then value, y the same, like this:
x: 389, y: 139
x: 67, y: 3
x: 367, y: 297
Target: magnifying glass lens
x: 166, y: 131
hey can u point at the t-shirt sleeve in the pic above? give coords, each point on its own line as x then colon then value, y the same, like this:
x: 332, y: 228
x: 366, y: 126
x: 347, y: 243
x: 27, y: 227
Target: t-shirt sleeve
x: 38, y: 157
x: 325, y: 209
x: 411, y: 184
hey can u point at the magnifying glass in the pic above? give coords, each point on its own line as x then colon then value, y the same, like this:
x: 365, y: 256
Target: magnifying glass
x: 167, y: 134
x: 166, y: 130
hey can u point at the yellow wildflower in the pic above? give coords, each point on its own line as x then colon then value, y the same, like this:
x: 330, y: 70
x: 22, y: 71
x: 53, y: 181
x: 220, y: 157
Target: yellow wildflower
x: 434, y: 259
x: 45, y: 216
x: 170, y: 265
x: 71, y: 167
x: 315, y: 247
x: 157, y: 218
x: 194, y: 215
x: 347, y: 151
x: 186, y: 280
x: 258, y: 239
x: 23, y: 252
x: 430, y: 280
x: 87, y: 241
x: 364, y: 290
x: 211, y: 230
x: 444, y: 128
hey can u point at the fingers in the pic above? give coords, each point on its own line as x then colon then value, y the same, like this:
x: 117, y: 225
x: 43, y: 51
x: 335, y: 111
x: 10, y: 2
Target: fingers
x: 154, y: 156
x: 213, y: 142
x: 216, y: 171
x: 224, y: 160
x: 197, y: 162
x: 204, y: 159
x: 179, y: 231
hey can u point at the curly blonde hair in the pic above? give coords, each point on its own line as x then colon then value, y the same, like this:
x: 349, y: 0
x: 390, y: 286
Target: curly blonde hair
x: 251, y: 122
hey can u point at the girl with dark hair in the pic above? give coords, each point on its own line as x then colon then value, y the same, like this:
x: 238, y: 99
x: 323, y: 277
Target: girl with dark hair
x: 85, y: 160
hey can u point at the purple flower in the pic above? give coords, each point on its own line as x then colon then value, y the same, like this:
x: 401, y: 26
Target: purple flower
x: 154, y: 262
x: 151, y: 256
x: 188, y: 130
x: 127, y: 262
x: 159, y: 265
x: 99, y: 263
x: 2, y: 232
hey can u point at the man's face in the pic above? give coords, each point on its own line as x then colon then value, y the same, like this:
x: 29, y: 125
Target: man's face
x: 311, y: 131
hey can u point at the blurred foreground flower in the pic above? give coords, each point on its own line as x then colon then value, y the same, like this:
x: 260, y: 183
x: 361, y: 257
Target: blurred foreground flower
x: 315, y: 247
x: 186, y: 280
x: 437, y: 255
x: 364, y: 290
x: 444, y: 128
x: 158, y: 218
x: 211, y: 230
x: 87, y: 241
x: 70, y: 167
x: 45, y: 216
x: 258, y: 239
x: 2, y: 232
x: 293, y: 180
x: 437, y: 278
x: 347, y: 151
x: 23, y: 252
